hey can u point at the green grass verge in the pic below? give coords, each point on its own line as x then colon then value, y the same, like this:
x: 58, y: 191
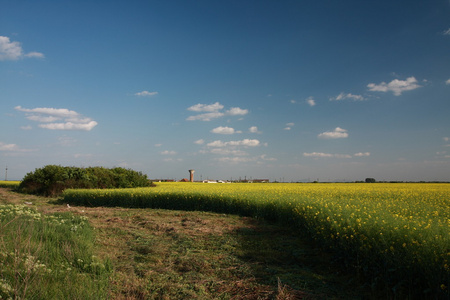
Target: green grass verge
x: 49, y: 256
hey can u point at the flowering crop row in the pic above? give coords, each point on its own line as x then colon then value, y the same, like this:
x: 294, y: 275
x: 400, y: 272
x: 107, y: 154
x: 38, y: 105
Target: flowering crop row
x: 9, y: 184
x: 397, y: 234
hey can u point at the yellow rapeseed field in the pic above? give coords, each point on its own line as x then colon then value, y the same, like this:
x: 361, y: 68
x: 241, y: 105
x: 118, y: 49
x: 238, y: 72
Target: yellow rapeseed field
x: 398, y: 232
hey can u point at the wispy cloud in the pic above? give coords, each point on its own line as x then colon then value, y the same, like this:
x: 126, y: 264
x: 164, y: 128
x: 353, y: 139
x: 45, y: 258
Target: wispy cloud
x: 447, y: 82
x: 244, y: 142
x: 397, y: 87
x: 325, y: 155
x: 223, y: 130
x: 343, y: 96
x: 337, y: 133
x: 206, y: 116
x: 213, y: 111
x: 254, y: 129
x: 167, y: 152
x: 311, y: 102
x: 206, y: 107
x: 244, y: 159
x: 47, y: 118
x: 12, y: 148
x: 13, y: 50
x: 446, y: 32
x: 362, y: 154
x: 146, y: 94
x: 334, y: 155
x: 199, y: 142
x: 236, y: 111
x: 289, y: 126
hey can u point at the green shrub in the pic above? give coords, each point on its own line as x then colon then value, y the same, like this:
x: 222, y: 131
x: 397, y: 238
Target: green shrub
x: 52, y: 180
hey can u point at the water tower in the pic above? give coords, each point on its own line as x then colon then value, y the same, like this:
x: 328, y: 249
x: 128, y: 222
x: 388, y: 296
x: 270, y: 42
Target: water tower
x: 191, y: 173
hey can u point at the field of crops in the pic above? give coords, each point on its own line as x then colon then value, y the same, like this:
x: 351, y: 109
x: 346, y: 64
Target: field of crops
x: 397, y: 236
x: 9, y: 184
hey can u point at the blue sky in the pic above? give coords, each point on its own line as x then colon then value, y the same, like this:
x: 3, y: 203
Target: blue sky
x: 285, y: 90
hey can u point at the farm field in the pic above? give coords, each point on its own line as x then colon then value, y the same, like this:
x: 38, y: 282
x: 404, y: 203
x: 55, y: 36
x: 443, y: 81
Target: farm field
x: 396, y: 236
x: 165, y: 254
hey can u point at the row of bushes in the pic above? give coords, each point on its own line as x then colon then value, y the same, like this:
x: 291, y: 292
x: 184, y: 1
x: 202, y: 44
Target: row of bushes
x: 52, y: 180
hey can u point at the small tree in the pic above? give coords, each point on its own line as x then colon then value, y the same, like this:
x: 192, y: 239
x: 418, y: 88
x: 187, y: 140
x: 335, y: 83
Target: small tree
x: 370, y: 180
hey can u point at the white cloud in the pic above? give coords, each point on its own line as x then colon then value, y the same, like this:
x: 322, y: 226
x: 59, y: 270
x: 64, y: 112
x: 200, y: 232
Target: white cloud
x: 47, y: 117
x: 12, y: 148
x: 311, y: 102
x: 26, y: 127
x: 397, y: 87
x: 13, y: 50
x: 206, y: 116
x: 236, y: 159
x: 293, y: 101
x: 317, y: 154
x: 158, y: 145
x: 199, y: 142
x: 222, y: 151
x: 361, y: 154
x: 146, y: 94
x: 343, y: 96
x: 289, y: 126
x: 8, y: 147
x: 236, y: 111
x: 253, y: 129
x: 448, y: 80
x: 167, y: 152
x: 337, y: 133
x: 223, y: 130
x: 172, y: 159
x: 43, y: 119
x: 244, y: 142
x: 446, y: 139
x: 34, y: 55
x: 206, y: 107
x: 212, y: 111
x: 325, y: 155
x: 58, y: 112
x: 243, y: 159
x: 69, y: 126
x: 446, y: 32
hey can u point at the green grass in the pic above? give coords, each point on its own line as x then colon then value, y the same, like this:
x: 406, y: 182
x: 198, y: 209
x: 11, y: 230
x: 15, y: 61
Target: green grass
x: 48, y: 256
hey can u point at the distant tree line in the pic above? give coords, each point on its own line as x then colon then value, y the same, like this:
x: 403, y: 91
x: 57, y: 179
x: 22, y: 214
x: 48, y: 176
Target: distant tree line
x: 52, y: 180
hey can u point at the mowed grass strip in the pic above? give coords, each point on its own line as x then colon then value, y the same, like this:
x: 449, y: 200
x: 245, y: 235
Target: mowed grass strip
x: 169, y: 254
x: 165, y: 254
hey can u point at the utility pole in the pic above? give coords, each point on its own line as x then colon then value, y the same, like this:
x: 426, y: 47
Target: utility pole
x: 6, y: 173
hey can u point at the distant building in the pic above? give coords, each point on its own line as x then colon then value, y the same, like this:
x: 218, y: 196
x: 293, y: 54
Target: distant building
x: 184, y: 180
x: 162, y: 180
x: 261, y: 180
